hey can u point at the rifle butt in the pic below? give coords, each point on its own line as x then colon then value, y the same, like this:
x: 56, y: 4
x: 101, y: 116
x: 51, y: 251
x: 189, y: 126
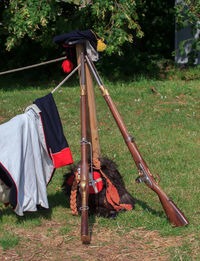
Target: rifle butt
x: 174, y: 214
x: 85, y: 235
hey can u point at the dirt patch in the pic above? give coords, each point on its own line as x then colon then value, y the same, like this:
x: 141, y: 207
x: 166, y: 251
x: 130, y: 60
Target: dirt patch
x: 48, y: 242
x: 2, y: 120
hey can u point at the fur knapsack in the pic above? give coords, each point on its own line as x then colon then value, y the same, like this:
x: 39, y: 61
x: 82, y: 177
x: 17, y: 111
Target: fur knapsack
x: 108, y: 194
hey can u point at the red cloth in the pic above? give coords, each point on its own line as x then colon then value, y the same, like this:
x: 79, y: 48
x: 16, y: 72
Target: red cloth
x: 98, y: 182
x: 67, y: 66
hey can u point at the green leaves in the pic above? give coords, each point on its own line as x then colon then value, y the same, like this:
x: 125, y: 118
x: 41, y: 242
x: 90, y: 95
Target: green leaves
x: 188, y: 14
x: 117, y: 21
x: 27, y: 18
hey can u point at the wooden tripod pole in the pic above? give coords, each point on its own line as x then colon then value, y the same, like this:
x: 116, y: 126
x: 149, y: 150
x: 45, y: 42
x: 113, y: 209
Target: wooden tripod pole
x: 91, y: 117
x: 93, y: 124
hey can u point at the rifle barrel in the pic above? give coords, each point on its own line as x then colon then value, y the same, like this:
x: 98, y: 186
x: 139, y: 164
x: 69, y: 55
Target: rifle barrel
x: 84, y: 184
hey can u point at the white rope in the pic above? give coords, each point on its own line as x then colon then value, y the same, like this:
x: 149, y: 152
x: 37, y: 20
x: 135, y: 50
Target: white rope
x: 66, y: 78
x: 44, y: 63
x: 34, y: 65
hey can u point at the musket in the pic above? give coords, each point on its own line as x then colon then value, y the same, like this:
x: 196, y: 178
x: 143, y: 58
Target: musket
x: 175, y: 216
x: 84, y: 182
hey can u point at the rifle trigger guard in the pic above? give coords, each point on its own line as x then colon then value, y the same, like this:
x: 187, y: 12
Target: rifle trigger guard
x: 139, y: 179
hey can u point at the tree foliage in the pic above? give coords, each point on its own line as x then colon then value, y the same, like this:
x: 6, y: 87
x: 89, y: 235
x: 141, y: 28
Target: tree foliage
x: 141, y: 30
x: 40, y: 20
x: 188, y: 14
x: 27, y: 18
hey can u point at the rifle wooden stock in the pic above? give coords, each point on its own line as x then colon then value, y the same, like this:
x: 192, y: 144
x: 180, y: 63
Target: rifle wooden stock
x: 84, y: 184
x: 173, y: 213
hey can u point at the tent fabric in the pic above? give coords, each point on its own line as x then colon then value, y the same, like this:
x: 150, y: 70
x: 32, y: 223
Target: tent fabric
x: 29, y: 156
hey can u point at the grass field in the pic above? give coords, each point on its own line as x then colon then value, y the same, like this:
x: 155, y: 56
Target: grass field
x: 166, y: 130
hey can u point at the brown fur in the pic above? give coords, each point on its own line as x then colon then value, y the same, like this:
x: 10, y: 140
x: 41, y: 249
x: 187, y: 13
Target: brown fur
x: 98, y: 203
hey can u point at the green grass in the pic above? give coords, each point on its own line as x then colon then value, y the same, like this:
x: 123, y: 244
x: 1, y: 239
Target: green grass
x: 166, y: 131
x: 9, y: 240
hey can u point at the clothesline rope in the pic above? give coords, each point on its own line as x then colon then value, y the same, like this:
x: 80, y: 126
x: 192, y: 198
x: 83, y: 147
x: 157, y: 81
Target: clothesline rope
x: 66, y: 78
x: 33, y: 65
x: 44, y: 63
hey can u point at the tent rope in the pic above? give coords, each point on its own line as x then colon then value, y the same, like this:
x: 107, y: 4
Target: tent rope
x: 33, y: 65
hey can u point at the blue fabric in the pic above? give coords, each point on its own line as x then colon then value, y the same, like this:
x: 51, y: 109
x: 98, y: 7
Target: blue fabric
x: 75, y: 36
x: 53, y: 130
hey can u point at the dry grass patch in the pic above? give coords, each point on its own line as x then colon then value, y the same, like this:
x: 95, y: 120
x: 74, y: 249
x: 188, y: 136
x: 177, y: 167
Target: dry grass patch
x: 46, y: 243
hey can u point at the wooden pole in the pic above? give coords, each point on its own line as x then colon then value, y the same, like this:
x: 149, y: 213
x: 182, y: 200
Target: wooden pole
x: 93, y: 128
